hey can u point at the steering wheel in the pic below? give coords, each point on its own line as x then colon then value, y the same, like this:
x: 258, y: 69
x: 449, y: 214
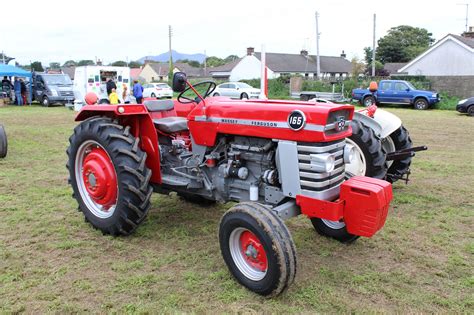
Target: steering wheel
x: 211, y: 86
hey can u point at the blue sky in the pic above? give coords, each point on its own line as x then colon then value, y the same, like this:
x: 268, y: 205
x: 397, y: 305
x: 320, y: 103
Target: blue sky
x: 51, y: 30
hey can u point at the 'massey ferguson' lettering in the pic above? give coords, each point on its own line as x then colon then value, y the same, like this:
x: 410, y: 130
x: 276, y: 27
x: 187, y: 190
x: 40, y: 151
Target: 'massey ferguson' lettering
x: 263, y: 123
x: 249, y: 122
x: 229, y: 121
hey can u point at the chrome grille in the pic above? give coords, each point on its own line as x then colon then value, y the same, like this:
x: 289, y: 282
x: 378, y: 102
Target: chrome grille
x: 66, y: 93
x: 317, y: 184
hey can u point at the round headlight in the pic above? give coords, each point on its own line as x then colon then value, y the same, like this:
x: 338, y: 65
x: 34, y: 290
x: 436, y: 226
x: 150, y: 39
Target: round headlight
x: 349, y: 153
x: 323, y: 163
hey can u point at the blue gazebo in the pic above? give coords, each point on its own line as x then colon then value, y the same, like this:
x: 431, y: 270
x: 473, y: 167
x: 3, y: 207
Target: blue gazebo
x: 12, y: 71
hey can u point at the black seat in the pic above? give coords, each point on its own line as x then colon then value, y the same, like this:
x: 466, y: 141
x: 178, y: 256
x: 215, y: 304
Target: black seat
x: 171, y: 124
x: 159, y: 105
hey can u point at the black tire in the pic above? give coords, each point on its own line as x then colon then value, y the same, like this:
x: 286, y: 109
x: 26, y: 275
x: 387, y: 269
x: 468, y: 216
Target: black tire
x: 196, y: 199
x: 401, y: 139
x: 153, y: 95
x: 470, y: 110
x: 103, y: 101
x: 216, y: 94
x: 128, y: 160
x: 244, y: 96
x: 274, y: 239
x: 3, y: 142
x: 45, y: 101
x: 368, y: 100
x: 371, y: 147
x: 421, y: 104
x: 328, y: 229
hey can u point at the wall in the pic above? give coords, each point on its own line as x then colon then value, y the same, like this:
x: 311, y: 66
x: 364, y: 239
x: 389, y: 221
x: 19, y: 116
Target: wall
x: 460, y: 86
x: 449, y: 59
x: 148, y: 73
x: 249, y: 68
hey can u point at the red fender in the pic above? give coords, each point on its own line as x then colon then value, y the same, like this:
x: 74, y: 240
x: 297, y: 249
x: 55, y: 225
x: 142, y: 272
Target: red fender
x: 139, y: 119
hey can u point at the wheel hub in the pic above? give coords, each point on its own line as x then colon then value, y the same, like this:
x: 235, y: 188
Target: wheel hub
x: 253, y: 251
x: 99, y: 178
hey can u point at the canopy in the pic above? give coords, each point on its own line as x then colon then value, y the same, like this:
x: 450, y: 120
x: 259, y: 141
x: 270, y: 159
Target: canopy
x: 11, y: 71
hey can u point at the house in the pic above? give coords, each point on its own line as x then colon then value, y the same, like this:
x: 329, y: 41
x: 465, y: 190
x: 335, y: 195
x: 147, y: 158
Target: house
x: 393, y: 67
x: 69, y: 71
x: 280, y: 64
x: 158, y: 71
x: 453, y: 55
x: 135, y: 73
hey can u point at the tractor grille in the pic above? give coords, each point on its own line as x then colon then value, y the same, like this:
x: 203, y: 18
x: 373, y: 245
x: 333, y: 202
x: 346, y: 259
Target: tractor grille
x: 66, y: 93
x: 317, y: 184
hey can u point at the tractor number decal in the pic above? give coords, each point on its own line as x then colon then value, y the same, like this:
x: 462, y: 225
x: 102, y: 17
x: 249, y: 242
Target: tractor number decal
x: 296, y: 120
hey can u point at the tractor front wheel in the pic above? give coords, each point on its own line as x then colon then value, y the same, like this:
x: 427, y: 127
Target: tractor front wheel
x: 334, y: 229
x: 257, y: 248
x: 108, y: 175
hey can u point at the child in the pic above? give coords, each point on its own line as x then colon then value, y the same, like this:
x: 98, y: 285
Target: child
x: 113, y: 97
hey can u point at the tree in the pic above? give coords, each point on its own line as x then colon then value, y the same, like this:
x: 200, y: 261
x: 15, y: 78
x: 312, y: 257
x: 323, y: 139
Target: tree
x: 231, y: 58
x: 214, y: 61
x: 119, y: 63
x: 85, y: 63
x: 368, y: 56
x: 70, y: 63
x: 37, y: 66
x: 54, y: 65
x: 358, y: 67
x: 134, y: 64
x: 403, y: 43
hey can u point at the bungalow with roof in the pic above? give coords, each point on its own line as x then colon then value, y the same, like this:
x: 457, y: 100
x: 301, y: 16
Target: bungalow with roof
x: 278, y: 64
x: 158, y: 71
x: 453, y: 55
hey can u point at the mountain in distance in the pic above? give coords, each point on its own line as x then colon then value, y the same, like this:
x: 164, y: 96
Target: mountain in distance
x: 164, y: 57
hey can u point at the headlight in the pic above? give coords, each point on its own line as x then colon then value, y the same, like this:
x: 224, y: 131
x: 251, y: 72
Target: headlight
x: 462, y: 101
x: 54, y: 93
x: 323, y: 163
x: 349, y: 153
x: 434, y: 95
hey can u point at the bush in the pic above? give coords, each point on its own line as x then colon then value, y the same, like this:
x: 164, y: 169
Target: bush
x: 447, y: 102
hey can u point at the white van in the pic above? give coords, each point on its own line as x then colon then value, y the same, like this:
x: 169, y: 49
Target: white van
x: 94, y: 79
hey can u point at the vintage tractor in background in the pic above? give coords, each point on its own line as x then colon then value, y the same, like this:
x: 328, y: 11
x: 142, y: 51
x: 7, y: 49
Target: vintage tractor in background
x: 277, y: 159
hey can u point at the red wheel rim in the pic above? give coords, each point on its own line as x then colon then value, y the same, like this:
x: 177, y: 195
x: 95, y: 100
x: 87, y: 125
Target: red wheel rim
x: 99, y: 178
x: 253, y: 252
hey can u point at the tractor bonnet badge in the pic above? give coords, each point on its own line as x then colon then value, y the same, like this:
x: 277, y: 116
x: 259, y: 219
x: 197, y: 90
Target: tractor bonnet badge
x: 296, y: 120
x: 340, y: 123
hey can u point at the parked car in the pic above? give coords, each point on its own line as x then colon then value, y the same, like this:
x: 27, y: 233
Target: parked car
x: 52, y: 88
x: 396, y: 92
x: 158, y: 90
x: 466, y: 106
x: 236, y: 90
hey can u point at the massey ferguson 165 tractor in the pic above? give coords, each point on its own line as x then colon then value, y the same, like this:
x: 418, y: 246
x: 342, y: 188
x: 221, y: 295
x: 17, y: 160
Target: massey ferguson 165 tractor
x: 277, y: 159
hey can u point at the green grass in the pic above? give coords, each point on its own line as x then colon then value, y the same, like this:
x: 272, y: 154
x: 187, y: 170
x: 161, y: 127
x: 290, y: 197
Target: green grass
x: 53, y: 261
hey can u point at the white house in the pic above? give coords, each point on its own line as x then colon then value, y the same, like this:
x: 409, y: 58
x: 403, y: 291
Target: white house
x: 453, y: 55
x: 278, y: 64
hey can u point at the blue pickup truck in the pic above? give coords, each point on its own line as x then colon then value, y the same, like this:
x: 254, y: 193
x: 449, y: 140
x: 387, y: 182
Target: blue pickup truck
x: 396, y: 92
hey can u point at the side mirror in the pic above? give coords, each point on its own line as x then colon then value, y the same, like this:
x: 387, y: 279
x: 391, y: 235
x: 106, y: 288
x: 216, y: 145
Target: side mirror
x: 179, y: 82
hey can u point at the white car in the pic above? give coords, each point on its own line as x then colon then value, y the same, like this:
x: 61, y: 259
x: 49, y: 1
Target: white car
x: 236, y: 90
x: 158, y: 90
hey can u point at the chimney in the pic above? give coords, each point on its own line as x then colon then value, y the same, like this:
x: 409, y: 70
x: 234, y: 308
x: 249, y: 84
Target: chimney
x: 343, y: 55
x: 470, y: 33
x: 304, y: 52
x: 250, y: 51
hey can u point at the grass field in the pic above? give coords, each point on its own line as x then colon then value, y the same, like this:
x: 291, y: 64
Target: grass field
x: 52, y: 261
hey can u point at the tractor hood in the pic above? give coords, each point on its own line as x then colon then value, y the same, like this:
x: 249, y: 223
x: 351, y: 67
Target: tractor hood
x: 282, y: 120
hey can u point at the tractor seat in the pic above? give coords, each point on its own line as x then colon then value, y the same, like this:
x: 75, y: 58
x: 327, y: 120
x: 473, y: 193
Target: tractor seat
x: 159, y: 105
x: 171, y: 124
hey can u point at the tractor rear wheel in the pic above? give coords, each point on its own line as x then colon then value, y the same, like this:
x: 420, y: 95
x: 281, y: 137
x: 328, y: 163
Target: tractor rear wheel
x: 257, y: 248
x: 3, y: 142
x: 401, y: 140
x: 108, y: 175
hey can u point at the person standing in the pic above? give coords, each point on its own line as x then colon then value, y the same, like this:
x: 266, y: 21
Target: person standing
x: 125, y: 94
x: 138, y: 91
x: 23, y: 91
x: 110, y: 85
x: 17, y: 88
x: 113, y: 97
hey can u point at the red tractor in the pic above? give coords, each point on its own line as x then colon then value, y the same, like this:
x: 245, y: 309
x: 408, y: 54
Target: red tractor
x: 278, y: 159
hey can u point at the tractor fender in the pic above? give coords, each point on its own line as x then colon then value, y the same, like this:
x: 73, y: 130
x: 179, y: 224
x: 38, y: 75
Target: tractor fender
x: 138, y: 118
x: 383, y: 123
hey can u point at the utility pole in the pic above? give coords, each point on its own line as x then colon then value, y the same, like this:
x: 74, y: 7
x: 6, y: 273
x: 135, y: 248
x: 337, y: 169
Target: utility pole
x: 373, y: 50
x: 3, y: 57
x: 318, y: 63
x: 205, y: 63
x: 467, y: 14
x: 170, y: 71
